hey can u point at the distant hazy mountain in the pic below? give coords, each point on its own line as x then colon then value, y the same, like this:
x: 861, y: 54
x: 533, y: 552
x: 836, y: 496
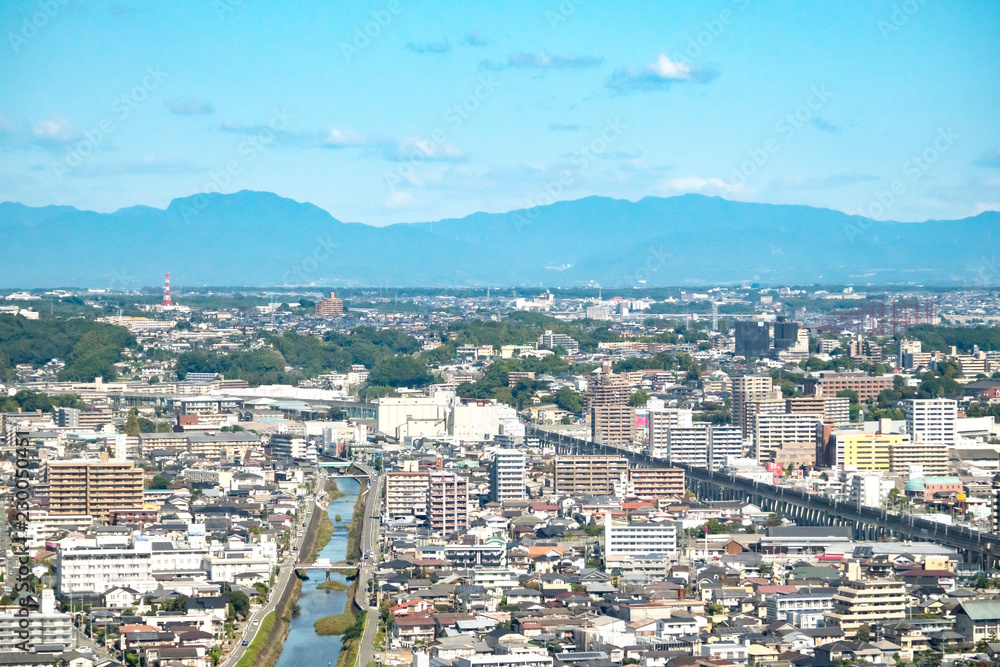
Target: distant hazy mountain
x: 259, y: 238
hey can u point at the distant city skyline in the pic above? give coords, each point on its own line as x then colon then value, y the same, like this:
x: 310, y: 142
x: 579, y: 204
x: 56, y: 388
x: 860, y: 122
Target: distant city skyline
x: 395, y: 111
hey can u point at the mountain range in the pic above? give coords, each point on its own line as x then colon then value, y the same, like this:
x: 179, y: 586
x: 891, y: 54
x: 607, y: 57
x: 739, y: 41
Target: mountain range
x: 262, y: 239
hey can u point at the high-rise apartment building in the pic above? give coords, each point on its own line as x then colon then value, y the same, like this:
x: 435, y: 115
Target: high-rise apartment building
x: 550, y: 340
x: 593, y: 475
x: 701, y: 445
x: 747, y: 389
x: 911, y: 355
x: 786, y: 438
x: 406, y: 494
x: 507, y: 475
x: 292, y: 446
x: 931, y: 420
x: 93, y: 487
x: 447, y: 503
x: 66, y: 417
x: 332, y: 307
x: 613, y: 425
x: 604, y: 389
x: 867, y: 452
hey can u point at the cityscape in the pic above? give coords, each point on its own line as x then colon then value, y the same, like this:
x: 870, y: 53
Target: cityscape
x: 559, y: 334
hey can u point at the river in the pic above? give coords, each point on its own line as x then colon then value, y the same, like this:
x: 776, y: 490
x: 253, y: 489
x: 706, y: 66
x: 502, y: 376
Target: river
x: 303, y: 646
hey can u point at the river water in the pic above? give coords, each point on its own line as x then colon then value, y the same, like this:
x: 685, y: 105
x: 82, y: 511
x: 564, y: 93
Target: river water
x: 303, y: 647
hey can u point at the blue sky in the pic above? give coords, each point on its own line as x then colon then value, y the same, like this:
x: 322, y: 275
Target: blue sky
x: 400, y: 110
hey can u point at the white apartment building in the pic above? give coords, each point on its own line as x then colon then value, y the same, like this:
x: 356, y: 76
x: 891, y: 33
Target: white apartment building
x: 507, y: 475
x: 86, y: 569
x: 625, y: 541
x: 549, y: 340
x: 931, y: 420
x: 293, y: 446
x: 702, y: 445
x: 680, y: 626
x: 668, y: 417
x: 94, y: 568
x: 243, y: 567
x: 42, y: 626
x: 41, y: 525
x: 804, y: 610
x: 406, y: 494
x: 870, y: 490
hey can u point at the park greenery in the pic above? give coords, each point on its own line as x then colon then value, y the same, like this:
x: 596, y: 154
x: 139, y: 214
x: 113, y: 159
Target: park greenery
x: 89, y: 349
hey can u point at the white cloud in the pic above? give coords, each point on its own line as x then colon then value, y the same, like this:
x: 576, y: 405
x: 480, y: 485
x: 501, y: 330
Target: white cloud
x: 542, y: 60
x: 418, y: 149
x: 665, y: 68
x: 699, y: 184
x: 56, y: 129
x: 658, y: 75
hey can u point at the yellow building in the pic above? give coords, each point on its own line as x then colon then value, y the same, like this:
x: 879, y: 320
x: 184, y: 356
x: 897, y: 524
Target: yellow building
x: 867, y: 451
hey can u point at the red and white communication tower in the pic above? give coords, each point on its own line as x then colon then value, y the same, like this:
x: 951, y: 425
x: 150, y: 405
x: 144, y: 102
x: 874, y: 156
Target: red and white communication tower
x: 166, y: 291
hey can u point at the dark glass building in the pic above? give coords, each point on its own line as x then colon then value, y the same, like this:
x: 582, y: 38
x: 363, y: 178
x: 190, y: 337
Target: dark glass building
x: 753, y: 339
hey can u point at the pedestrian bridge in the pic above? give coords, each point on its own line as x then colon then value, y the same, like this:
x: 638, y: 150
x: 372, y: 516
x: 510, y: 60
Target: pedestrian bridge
x: 326, y: 565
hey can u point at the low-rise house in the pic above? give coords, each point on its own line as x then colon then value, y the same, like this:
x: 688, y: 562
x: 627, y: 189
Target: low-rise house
x: 414, y: 629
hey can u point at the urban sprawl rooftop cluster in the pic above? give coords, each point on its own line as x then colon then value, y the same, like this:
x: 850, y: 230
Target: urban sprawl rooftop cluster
x: 539, y: 478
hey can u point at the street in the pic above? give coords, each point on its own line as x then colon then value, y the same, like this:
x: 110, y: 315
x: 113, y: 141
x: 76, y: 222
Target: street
x: 368, y: 544
x: 284, y: 579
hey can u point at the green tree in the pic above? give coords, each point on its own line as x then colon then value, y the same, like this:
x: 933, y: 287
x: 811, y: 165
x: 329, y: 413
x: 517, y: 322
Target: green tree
x: 401, y: 371
x: 132, y: 427
x: 849, y: 394
x: 638, y: 398
x: 864, y: 633
x: 716, y: 527
x: 569, y: 400
x: 239, y: 601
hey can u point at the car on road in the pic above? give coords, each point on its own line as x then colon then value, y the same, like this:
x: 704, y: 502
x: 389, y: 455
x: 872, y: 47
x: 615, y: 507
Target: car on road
x: 256, y: 622
x: 245, y: 643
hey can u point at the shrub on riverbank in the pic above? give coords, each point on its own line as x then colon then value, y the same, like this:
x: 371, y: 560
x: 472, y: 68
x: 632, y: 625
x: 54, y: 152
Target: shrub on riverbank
x: 332, y: 585
x: 333, y: 625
